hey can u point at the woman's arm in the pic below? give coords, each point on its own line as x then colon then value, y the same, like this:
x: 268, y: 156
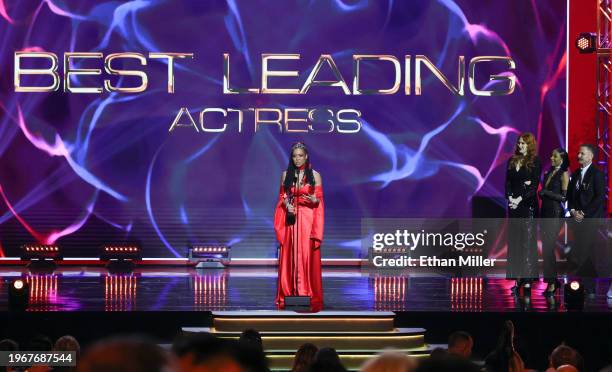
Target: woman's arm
x: 554, y: 196
x: 284, y: 197
x: 534, y: 180
x: 318, y: 186
x: 319, y: 212
x: 508, y: 190
x: 317, y: 177
x: 280, y: 212
x: 564, y: 183
x: 316, y: 196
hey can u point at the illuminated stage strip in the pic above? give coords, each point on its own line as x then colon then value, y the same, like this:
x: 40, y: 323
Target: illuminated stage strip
x: 170, y: 261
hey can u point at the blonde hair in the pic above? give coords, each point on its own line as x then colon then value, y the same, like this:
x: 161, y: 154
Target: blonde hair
x: 389, y: 361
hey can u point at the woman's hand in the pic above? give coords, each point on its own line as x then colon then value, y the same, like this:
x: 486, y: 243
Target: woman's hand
x: 289, y: 206
x: 578, y: 215
x: 311, y: 198
x: 518, y: 200
x: 514, y: 202
x: 316, y: 244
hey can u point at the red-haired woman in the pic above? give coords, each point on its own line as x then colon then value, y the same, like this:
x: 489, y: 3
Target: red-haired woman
x: 522, y: 179
x: 298, y: 223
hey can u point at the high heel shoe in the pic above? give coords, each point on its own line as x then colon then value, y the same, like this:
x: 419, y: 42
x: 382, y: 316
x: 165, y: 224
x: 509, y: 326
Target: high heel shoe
x: 516, y: 287
x: 551, y: 288
x: 527, y: 288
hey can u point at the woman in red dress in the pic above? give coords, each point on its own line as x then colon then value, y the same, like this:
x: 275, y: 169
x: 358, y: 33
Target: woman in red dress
x: 299, y: 261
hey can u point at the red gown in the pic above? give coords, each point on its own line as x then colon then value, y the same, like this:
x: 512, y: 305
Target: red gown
x: 299, y: 264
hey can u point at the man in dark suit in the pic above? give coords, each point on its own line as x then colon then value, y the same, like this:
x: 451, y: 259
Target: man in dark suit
x: 586, y: 194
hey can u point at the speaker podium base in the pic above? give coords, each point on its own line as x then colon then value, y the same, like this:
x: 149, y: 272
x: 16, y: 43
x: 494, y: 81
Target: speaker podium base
x: 297, y: 302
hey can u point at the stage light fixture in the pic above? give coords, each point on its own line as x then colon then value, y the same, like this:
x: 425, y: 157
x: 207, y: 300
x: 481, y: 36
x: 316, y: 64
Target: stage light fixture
x: 574, y: 295
x: 19, y: 295
x: 122, y: 252
x: 209, y: 256
x: 585, y: 42
x: 40, y: 252
x: 120, y: 257
x: 41, y: 257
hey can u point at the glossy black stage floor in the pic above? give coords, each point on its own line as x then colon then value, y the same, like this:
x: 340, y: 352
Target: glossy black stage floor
x: 246, y: 288
x: 158, y: 301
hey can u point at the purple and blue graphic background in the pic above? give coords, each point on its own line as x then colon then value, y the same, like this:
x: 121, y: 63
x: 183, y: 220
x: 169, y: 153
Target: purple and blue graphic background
x: 80, y: 170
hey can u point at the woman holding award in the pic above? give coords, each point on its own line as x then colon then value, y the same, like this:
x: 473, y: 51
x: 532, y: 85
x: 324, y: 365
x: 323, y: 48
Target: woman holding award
x: 298, y: 223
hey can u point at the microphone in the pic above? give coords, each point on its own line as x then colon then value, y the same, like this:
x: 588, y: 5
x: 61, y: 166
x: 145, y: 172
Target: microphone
x: 290, y: 217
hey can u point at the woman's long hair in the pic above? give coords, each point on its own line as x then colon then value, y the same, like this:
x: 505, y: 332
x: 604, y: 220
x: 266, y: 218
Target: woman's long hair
x: 565, y: 162
x: 499, y: 359
x: 304, y: 357
x: 531, y: 155
x: 290, y: 176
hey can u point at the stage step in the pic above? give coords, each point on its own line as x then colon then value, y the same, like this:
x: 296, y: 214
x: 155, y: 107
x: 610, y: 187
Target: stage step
x: 357, y: 336
x: 236, y: 321
x: 399, y: 338
x: 351, y: 359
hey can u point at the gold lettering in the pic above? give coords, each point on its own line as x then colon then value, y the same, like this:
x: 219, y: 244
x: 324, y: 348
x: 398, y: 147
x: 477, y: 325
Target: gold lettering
x: 510, y: 79
x: 52, y: 71
x: 212, y: 130
x: 355, y: 121
x: 339, y: 82
x: 226, y: 79
x: 111, y: 71
x: 176, y: 123
x: 265, y: 73
x: 356, y: 75
x: 170, y: 57
x: 240, y: 116
x: 312, y: 120
x: 279, y: 117
x: 407, y: 73
x: 460, y: 78
x: 69, y: 72
x: 297, y: 120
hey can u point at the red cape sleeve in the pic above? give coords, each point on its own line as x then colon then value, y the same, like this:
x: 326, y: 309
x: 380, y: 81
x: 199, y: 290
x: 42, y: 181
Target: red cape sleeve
x: 280, y: 217
x: 318, y: 218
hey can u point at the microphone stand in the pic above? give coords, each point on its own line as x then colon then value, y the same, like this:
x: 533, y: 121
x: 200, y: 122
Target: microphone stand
x: 296, y: 232
x: 297, y: 301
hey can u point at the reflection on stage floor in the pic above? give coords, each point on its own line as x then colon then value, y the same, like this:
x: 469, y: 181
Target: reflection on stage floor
x: 236, y: 288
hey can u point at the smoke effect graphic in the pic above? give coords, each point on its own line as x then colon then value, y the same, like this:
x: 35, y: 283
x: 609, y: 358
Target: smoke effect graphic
x: 83, y: 169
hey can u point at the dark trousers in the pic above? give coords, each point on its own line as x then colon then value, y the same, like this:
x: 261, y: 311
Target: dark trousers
x: 585, y: 236
x: 550, y: 235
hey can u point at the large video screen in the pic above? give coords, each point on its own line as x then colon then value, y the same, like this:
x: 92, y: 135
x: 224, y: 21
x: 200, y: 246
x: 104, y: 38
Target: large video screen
x: 170, y: 123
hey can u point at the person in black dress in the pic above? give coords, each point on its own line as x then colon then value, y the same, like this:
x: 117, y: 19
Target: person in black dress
x: 554, y: 190
x: 522, y: 179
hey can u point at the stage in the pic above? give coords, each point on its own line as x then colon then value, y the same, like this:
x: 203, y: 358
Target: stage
x: 160, y: 302
x: 180, y: 288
